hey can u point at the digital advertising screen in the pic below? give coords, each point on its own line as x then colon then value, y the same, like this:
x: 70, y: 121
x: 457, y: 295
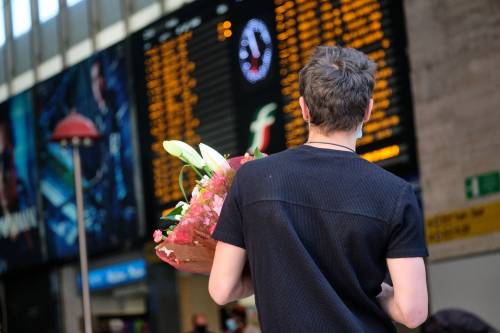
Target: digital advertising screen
x: 98, y: 89
x: 19, y: 227
x: 226, y: 73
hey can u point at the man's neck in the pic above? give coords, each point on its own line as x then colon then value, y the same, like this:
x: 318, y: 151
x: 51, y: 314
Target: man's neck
x: 341, y: 138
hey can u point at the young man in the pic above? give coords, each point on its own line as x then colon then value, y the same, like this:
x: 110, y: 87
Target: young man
x: 320, y: 226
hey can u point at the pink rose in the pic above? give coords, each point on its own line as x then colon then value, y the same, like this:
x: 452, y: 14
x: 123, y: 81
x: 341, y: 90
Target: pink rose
x: 158, y: 236
x: 217, y: 204
x: 212, y: 228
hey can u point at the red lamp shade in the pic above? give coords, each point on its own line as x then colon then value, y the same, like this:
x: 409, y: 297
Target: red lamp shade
x: 75, y: 126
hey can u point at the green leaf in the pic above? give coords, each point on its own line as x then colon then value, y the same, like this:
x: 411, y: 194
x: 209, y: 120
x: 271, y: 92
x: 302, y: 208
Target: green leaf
x: 168, y: 218
x: 171, y: 215
x: 181, y: 182
x: 208, y: 171
x: 176, y: 211
x: 257, y: 154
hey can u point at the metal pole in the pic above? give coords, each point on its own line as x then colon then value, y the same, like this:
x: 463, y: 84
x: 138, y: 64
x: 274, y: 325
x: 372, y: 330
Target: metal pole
x: 94, y: 23
x: 163, y: 6
x: 82, y: 242
x: 36, y: 52
x: 62, y: 31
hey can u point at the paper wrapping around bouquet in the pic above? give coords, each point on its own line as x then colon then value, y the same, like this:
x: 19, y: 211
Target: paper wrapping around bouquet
x: 195, y: 257
x: 188, y: 248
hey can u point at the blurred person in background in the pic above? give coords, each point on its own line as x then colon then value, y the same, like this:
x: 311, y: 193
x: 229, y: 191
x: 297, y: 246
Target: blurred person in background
x: 319, y: 225
x: 238, y: 322
x: 456, y: 321
x: 200, y: 324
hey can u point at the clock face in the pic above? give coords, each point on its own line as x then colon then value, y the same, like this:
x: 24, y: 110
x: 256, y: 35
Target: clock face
x: 255, y: 51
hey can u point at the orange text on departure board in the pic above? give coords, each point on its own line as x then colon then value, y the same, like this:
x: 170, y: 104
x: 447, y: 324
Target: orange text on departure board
x: 302, y: 25
x: 170, y: 84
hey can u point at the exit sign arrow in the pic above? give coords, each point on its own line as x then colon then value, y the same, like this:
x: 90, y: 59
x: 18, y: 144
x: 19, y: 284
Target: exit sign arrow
x: 482, y: 185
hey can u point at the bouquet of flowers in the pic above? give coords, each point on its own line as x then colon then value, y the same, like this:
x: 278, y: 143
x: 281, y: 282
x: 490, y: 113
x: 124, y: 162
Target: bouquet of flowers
x: 185, y: 240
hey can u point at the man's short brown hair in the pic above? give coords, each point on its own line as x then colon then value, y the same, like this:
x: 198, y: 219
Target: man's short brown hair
x: 337, y: 85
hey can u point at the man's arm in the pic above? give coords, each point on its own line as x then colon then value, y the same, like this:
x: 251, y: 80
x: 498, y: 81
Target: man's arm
x: 407, y: 301
x: 227, y: 282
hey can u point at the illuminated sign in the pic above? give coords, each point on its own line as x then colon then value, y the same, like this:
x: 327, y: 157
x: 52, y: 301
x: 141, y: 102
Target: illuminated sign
x: 482, y: 185
x: 116, y: 275
x: 170, y: 83
x: 363, y: 24
x: 186, y: 92
x: 255, y: 51
x: 260, y: 127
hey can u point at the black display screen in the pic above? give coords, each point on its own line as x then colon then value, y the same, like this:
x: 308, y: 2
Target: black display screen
x: 184, y: 82
x: 375, y: 27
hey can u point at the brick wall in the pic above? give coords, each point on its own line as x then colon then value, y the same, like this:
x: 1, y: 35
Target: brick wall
x: 454, y: 50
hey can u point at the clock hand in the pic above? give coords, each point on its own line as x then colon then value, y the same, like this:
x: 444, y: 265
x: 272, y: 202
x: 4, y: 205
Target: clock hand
x: 254, y: 48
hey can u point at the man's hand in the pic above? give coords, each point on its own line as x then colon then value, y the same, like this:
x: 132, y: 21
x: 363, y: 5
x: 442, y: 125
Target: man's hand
x: 227, y: 282
x: 407, y: 301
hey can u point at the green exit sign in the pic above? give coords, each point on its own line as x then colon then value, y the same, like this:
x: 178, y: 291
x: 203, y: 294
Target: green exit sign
x: 481, y: 185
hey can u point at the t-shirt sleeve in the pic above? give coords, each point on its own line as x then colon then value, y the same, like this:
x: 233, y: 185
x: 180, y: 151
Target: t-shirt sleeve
x: 229, y: 229
x: 406, y: 237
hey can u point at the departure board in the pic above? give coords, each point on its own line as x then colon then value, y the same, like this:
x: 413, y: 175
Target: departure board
x: 187, y: 93
x: 372, y: 26
x: 226, y: 73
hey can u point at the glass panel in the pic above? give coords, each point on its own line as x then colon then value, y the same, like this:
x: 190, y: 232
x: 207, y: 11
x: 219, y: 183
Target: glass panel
x: 21, y: 17
x: 109, y: 12
x: 70, y: 3
x: 140, y: 4
x: 47, y: 9
x: 22, y: 54
x: 78, y: 23
x: 49, y: 39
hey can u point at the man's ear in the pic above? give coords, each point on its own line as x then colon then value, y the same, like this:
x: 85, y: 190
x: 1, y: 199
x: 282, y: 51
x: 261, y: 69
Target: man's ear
x: 368, y: 111
x: 305, y: 109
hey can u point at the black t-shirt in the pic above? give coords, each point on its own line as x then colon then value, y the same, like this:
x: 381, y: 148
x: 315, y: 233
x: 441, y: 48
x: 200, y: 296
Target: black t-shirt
x: 318, y: 225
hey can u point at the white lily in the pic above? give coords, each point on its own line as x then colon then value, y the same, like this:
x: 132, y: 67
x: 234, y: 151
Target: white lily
x: 215, y: 161
x: 204, y: 180
x: 184, y: 152
x: 181, y: 203
x: 196, y: 191
x: 184, y: 206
